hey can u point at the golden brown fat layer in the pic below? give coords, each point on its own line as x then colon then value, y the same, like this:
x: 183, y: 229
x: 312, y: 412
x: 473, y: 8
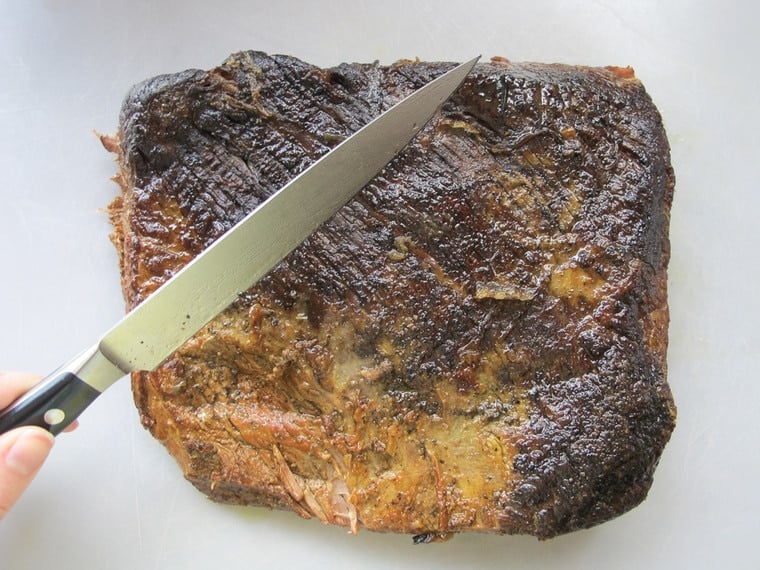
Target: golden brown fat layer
x: 475, y: 343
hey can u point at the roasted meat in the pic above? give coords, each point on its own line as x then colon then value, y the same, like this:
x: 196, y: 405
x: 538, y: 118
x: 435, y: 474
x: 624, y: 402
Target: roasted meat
x: 476, y: 342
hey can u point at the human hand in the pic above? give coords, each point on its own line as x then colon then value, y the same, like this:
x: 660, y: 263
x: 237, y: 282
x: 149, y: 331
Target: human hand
x: 22, y: 450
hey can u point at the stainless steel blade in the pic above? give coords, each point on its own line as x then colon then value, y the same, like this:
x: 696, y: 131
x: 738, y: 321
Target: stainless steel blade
x: 247, y: 252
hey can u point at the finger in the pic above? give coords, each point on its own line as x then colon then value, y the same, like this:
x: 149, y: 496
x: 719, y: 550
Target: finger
x: 13, y: 384
x: 22, y: 453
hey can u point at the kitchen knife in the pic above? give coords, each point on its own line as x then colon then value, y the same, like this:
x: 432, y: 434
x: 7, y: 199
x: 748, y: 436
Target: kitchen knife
x: 157, y: 327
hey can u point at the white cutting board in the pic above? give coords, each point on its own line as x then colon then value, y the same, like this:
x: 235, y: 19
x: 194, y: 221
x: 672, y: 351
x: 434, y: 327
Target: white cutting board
x: 111, y: 498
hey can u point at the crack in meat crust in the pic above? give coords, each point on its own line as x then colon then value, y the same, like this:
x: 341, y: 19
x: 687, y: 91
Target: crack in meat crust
x: 475, y: 343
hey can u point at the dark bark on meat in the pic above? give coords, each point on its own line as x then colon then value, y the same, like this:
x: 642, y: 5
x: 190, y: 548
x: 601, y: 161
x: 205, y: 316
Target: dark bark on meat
x: 476, y: 342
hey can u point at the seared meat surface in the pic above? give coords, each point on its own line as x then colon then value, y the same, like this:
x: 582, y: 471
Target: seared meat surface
x: 476, y: 342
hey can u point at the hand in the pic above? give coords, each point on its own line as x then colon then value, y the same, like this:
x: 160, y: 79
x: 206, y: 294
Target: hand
x: 22, y: 450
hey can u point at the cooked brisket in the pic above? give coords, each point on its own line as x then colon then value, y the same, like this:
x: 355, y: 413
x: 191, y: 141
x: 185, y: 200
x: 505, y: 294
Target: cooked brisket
x: 476, y: 342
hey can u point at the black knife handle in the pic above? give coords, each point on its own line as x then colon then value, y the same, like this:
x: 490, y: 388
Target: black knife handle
x: 53, y: 404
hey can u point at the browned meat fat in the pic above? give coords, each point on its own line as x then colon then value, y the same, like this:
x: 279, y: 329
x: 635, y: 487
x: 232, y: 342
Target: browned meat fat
x: 475, y: 343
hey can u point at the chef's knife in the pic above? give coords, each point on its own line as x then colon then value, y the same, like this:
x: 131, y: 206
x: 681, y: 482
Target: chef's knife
x: 157, y: 327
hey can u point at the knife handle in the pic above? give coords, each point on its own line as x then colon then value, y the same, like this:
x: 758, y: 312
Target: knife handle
x: 52, y: 404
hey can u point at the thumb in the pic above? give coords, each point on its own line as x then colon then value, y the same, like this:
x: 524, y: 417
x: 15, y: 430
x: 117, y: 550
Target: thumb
x: 22, y: 452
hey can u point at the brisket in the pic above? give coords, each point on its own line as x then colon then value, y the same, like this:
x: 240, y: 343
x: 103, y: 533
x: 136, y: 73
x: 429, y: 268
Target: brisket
x: 476, y: 342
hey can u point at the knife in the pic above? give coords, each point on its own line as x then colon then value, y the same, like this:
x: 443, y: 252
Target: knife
x: 165, y: 320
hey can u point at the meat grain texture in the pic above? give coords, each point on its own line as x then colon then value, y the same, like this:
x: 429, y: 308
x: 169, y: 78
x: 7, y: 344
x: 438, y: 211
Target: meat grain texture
x: 476, y: 342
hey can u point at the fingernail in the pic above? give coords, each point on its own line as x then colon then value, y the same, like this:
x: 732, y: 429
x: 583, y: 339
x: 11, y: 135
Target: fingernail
x: 29, y: 451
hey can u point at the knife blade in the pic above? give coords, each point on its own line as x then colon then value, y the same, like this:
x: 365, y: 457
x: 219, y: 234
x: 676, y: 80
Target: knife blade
x: 165, y: 320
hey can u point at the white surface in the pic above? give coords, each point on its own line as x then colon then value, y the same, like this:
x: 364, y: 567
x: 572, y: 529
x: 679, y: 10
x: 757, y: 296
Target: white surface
x: 111, y: 498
